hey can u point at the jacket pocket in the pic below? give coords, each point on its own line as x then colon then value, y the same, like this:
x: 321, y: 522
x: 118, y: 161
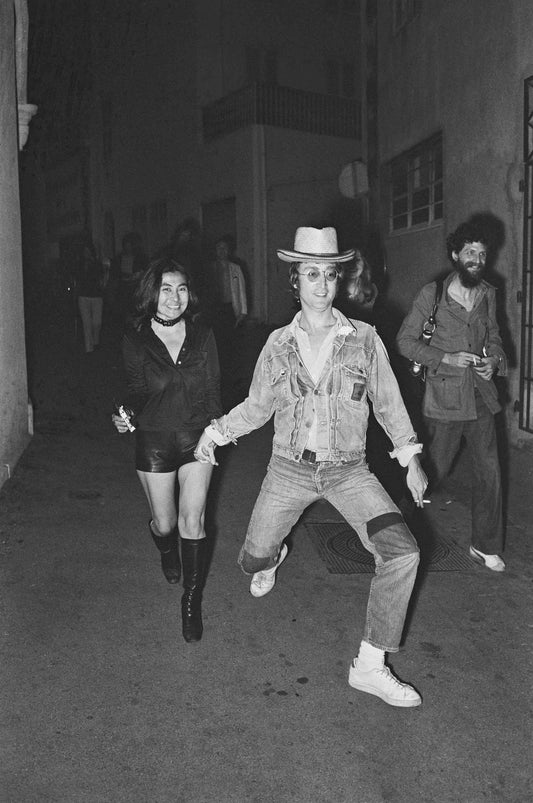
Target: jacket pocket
x: 281, y: 388
x: 444, y: 393
x: 353, y: 384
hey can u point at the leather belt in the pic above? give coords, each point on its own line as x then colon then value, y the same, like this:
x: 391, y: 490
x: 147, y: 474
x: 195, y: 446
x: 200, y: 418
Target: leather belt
x: 309, y: 456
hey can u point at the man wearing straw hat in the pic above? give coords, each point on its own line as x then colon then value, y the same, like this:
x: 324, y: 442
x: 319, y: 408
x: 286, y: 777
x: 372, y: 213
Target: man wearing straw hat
x: 316, y: 376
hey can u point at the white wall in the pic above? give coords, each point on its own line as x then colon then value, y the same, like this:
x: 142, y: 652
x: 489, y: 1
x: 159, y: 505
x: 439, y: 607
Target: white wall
x: 14, y: 434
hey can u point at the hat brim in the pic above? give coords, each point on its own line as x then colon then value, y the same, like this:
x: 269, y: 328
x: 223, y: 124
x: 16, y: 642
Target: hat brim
x: 300, y: 256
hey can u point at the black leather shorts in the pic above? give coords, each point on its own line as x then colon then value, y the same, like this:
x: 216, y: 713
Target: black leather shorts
x: 160, y: 452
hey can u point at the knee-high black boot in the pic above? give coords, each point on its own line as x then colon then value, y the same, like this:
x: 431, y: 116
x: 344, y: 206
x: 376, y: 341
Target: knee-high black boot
x: 170, y: 556
x: 193, y: 554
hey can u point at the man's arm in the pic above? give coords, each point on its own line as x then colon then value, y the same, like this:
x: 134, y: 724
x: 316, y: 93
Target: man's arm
x: 494, y: 354
x: 409, y: 339
x: 416, y: 480
x: 250, y: 414
x: 391, y: 414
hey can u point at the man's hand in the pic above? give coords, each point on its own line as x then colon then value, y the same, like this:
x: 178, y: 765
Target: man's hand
x: 461, y: 359
x: 486, y: 366
x: 416, y: 479
x: 205, y: 450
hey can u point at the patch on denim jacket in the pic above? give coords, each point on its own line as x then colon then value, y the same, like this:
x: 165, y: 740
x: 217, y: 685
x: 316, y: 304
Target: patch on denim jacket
x: 358, y: 391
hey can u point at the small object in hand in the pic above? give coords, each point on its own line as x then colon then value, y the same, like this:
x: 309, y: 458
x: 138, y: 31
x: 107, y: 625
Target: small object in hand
x: 126, y: 414
x: 416, y: 369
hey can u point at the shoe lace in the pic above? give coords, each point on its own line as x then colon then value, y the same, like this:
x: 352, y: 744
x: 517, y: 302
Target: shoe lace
x: 386, y: 673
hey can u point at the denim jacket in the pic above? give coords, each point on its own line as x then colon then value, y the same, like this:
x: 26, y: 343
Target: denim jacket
x: 450, y: 390
x: 356, y: 371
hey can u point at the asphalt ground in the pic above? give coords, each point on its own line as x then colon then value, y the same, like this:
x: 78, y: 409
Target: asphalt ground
x: 102, y: 700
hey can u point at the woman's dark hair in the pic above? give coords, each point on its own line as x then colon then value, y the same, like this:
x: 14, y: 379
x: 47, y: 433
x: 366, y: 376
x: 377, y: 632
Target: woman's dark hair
x: 147, y: 292
x: 294, y: 277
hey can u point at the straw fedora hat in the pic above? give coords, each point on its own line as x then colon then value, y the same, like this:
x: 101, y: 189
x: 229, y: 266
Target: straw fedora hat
x: 320, y: 244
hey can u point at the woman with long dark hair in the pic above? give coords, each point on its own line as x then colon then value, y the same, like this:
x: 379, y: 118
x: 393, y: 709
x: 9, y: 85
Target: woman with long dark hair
x: 173, y: 381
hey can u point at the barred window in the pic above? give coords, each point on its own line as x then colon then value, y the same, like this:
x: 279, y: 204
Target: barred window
x: 416, y: 186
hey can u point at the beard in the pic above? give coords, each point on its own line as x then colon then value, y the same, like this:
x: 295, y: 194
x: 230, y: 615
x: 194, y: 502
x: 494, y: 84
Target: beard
x: 468, y: 278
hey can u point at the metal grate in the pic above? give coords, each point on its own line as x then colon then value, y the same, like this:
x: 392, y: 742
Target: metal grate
x: 343, y: 553
x: 526, y: 352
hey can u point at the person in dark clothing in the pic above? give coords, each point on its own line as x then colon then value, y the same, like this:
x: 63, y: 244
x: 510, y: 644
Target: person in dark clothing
x: 228, y: 312
x: 89, y: 287
x: 126, y: 270
x: 186, y: 248
x: 460, y: 397
x: 174, y: 392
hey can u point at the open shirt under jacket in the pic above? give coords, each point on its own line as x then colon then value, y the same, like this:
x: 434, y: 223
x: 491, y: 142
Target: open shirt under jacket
x: 357, y: 370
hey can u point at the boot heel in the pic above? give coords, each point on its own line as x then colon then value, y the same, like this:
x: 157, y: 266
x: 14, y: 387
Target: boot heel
x: 170, y: 556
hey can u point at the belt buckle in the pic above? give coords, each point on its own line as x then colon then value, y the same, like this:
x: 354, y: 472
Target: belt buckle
x: 308, y: 456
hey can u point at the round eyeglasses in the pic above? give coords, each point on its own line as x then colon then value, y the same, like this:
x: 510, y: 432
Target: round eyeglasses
x: 313, y: 275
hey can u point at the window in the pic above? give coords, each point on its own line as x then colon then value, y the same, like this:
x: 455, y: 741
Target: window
x: 416, y: 186
x: 340, y: 78
x: 403, y: 12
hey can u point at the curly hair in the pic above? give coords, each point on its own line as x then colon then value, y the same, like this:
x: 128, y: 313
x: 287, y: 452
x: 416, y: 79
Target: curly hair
x: 294, y: 277
x: 469, y: 232
x: 147, y: 293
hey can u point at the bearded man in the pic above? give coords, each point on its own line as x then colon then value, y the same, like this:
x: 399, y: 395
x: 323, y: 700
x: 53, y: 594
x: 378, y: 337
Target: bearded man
x: 460, y: 397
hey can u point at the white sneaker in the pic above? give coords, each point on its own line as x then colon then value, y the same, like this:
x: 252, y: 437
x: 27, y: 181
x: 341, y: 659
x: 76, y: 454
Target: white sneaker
x: 263, y: 582
x: 493, y: 562
x: 381, y: 682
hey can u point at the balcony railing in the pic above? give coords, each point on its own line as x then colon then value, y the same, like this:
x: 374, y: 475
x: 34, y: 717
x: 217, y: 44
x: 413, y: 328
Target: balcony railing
x: 281, y: 106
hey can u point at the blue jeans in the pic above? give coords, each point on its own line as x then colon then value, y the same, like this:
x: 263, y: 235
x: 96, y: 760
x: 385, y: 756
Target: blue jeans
x: 289, y: 487
x: 480, y: 436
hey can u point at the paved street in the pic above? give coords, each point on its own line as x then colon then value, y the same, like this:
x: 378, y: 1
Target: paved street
x: 102, y: 701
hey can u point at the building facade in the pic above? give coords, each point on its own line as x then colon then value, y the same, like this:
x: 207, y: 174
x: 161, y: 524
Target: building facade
x: 241, y: 115
x: 453, y: 131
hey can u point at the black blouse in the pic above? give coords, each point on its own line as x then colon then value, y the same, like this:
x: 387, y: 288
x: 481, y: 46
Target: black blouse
x: 167, y: 395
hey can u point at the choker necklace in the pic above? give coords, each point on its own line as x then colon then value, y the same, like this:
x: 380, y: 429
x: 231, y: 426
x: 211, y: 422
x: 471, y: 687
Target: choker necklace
x: 164, y: 322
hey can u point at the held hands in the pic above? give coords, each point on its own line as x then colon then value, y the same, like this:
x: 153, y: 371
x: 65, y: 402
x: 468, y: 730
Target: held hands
x: 416, y: 479
x: 205, y: 450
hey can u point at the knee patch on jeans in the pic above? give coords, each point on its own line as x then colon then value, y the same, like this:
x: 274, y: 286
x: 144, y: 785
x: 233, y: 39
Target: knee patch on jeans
x: 383, y: 522
x: 250, y: 564
x: 391, y: 536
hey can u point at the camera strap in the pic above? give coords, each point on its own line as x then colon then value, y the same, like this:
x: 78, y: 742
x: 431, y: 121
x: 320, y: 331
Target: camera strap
x: 431, y: 323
